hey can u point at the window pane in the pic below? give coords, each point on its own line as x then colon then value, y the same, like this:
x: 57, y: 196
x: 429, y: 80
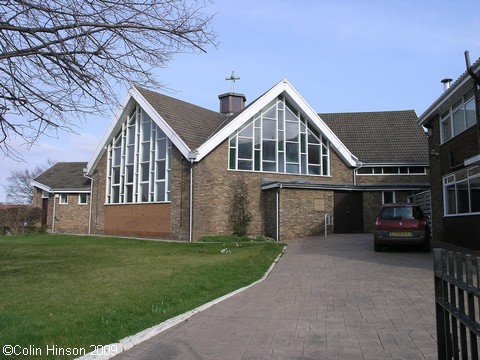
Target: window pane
x: 269, y: 129
x: 129, y: 194
x: 143, y: 192
x: 458, y: 121
x: 161, y: 170
x: 162, y: 148
x: 146, y: 128
x: 129, y: 171
x: 475, y: 194
x: 450, y: 200
x: 233, y: 159
x: 291, y: 132
x: 470, y: 115
x: 270, y: 113
x: 292, y: 152
x: 269, y: 166
x: 130, y: 154
x: 245, y: 164
x: 314, y: 170
x: 245, y: 148
x: 160, y: 191
x: 314, y: 154
x: 292, y: 169
x: 325, y: 169
x: 388, y: 197
x: 146, y: 151
x: 115, y: 194
x: 117, y: 152
x: 390, y: 170
x: 116, y: 175
x: 447, y: 129
x: 145, y: 171
x: 462, y: 198
x: 416, y: 169
x: 269, y: 150
x: 248, y: 131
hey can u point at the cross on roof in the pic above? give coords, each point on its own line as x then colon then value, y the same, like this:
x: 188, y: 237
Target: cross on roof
x: 232, y: 78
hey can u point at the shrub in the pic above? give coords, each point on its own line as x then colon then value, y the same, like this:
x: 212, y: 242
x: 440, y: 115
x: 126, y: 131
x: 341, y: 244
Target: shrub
x: 18, y: 220
x: 240, y: 216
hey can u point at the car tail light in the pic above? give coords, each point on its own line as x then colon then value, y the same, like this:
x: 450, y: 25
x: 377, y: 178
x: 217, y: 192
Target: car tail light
x: 378, y: 222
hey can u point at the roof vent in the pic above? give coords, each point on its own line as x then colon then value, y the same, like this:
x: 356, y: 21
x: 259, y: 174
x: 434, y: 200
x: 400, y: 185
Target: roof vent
x: 446, y: 84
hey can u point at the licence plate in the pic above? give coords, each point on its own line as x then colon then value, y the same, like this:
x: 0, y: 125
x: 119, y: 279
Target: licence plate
x: 401, y: 233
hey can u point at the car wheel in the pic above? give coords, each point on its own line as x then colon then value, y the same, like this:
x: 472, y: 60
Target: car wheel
x: 377, y: 247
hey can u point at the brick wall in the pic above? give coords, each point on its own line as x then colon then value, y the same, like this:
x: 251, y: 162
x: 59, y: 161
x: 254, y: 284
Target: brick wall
x: 212, y: 196
x: 71, y: 217
x: 142, y: 220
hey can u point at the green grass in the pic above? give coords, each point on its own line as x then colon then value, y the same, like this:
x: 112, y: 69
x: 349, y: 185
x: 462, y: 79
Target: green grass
x: 233, y: 238
x: 74, y: 291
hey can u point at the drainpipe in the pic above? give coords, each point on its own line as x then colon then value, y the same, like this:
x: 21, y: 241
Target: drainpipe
x: 91, y: 201
x: 54, y: 212
x: 277, y: 203
x: 474, y: 76
x: 359, y: 166
x: 191, y: 157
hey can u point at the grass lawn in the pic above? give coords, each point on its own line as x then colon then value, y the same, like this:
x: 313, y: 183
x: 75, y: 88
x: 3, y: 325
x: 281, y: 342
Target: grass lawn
x: 74, y: 291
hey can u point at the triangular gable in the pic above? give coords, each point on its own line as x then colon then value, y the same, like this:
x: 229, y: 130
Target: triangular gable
x: 283, y: 87
x: 133, y: 96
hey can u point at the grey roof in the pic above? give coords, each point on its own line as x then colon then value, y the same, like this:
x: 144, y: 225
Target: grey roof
x: 65, y: 176
x: 192, y: 123
x: 381, y: 137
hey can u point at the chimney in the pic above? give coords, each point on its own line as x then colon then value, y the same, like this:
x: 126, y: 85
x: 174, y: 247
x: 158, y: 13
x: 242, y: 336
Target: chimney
x: 231, y: 103
x: 446, y: 84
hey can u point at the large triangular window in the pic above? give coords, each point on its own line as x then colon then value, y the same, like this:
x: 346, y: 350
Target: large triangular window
x: 280, y: 139
x: 139, y: 159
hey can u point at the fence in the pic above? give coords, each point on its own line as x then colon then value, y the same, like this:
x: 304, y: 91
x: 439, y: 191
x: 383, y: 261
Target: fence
x: 457, y: 299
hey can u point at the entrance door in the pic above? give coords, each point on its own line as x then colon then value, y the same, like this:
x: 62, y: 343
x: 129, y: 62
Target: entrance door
x: 348, y: 212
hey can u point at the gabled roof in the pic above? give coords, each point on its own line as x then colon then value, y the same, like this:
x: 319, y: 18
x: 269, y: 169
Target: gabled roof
x: 385, y: 137
x: 196, y: 131
x: 192, y: 123
x: 460, y: 86
x: 63, y: 177
x: 281, y: 88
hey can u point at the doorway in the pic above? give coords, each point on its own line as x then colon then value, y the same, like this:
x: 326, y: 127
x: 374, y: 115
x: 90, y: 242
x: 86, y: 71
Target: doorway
x: 348, y: 212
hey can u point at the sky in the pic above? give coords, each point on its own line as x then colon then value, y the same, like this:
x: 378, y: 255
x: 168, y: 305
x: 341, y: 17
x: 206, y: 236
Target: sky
x: 341, y: 56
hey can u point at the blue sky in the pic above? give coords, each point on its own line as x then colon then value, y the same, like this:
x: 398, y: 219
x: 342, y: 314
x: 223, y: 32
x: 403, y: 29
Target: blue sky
x: 341, y: 56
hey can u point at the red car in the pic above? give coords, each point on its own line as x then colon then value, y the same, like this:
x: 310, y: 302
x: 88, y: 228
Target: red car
x: 401, y: 224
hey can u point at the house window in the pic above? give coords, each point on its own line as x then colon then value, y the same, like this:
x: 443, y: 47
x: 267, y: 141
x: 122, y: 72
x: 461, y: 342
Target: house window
x: 388, y: 197
x: 139, y: 162
x: 82, y: 198
x: 461, y: 192
x: 392, y: 170
x: 280, y: 139
x: 459, y: 117
x: 63, y: 198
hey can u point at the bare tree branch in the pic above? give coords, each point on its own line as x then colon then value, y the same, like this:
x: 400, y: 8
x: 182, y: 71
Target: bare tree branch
x: 60, y: 58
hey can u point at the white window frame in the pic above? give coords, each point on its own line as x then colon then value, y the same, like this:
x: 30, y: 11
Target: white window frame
x: 80, y: 202
x: 63, y: 198
x: 122, y: 189
x: 451, y: 190
x: 448, y: 117
x: 256, y: 137
x: 394, y: 196
x: 381, y: 170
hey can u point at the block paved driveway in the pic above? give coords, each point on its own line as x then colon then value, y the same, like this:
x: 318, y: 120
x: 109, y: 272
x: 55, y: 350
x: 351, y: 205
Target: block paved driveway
x: 327, y: 298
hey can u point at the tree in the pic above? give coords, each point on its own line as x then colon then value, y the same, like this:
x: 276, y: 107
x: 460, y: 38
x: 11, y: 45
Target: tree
x: 18, y: 188
x: 61, y: 59
x: 240, y: 215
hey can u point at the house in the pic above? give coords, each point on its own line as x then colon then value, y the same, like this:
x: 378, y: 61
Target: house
x: 63, y: 192
x: 454, y: 145
x: 165, y: 167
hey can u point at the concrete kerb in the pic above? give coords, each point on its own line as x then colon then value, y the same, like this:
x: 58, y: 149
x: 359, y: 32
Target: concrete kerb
x: 105, y: 352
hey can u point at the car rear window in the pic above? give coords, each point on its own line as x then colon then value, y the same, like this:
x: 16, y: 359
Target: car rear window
x: 400, y: 212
